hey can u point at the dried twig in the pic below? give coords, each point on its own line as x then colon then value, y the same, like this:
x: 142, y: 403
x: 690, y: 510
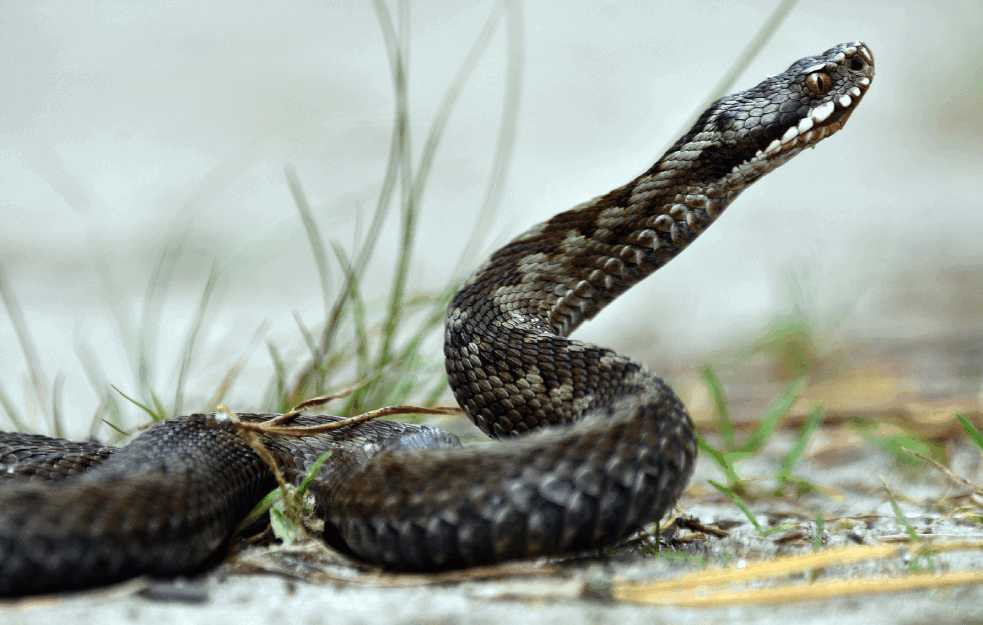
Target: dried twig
x: 946, y: 471
x: 310, y: 430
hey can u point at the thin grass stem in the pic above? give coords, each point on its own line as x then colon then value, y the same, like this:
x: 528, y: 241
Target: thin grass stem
x: 187, y: 356
x: 28, y: 346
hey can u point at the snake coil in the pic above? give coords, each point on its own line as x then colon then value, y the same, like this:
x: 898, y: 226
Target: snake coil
x: 596, y: 446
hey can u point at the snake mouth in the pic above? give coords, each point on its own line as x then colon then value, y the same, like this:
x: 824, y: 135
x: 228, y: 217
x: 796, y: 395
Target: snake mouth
x: 744, y: 136
x: 822, y: 121
x: 855, y: 65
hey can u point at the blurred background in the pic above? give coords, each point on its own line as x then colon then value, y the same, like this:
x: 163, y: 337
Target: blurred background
x: 132, y: 132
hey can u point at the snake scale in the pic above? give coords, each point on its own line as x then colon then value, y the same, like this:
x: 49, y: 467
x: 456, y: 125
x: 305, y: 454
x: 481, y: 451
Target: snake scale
x: 596, y: 446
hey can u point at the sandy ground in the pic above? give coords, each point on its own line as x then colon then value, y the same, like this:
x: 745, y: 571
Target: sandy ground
x: 310, y: 588
x: 269, y: 600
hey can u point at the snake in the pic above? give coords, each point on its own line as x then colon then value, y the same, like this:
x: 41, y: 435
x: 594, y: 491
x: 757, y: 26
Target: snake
x: 592, y: 445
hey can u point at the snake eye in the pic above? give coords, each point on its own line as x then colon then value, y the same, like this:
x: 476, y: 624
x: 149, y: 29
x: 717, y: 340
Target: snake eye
x: 819, y: 83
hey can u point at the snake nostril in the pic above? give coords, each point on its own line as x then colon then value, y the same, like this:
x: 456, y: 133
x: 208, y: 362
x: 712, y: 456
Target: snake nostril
x: 856, y: 64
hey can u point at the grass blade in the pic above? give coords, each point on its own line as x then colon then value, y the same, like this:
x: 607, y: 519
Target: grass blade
x: 233, y: 372
x: 308, y: 337
x: 751, y: 50
x: 359, y: 320
x: 974, y: 433
x: 312, y: 473
x: 57, y: 424
x: 775, y: 412
x: 11, y: 410
x: 413, y: 195
x: 153, y: 304
x: 397, y: 46
x: 813, y: 421
x: 902, y: 519
x: 189, y: 344
x: 725, y: 427
x: 722, y: 460
x: 507, y: 129
x: 739, y: 503
x: 153, y: 415
x: 279, y: 402
x: 109, y: 406
x: 313, y: 235
x: 27, y: 344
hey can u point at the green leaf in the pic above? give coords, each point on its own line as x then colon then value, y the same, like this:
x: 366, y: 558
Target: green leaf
x: 284, y: 526
x: 312, y: 473
x: 261, y: 508
x: 972, y: 430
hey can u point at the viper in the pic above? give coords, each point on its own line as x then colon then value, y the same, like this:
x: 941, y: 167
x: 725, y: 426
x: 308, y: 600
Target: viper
x: 594, y: 446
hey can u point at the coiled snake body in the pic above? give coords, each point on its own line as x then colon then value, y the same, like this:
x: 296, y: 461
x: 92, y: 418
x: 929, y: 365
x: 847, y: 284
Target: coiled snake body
x: 613, y: 450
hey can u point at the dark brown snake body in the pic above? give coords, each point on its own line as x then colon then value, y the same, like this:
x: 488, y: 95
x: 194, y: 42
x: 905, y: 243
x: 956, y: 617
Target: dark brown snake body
x: 614, y: 447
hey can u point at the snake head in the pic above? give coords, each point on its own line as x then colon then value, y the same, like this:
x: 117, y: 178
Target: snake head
x: 743, y: 136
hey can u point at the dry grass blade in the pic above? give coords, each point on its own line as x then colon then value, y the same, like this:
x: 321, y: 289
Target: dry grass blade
x: 226, y: 382
x: 123, y: 433
x: 759, y: 570
x: 823, y: 591
x: 697, y: 588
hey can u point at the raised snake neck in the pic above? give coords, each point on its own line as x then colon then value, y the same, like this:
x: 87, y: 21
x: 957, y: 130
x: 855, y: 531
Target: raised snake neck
x: 618, y: 455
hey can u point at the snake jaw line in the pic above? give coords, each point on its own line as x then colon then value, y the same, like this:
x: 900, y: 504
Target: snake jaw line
x: 820, y: 95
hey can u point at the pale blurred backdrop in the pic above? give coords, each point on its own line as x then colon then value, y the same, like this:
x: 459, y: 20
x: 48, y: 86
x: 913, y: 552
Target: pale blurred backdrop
x: 123, y: 123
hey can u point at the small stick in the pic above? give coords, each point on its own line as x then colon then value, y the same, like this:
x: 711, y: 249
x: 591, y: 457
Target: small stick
x: 118, y: 430
x: 310, y: 430
x: 310, y: 403
x: 945, y: 471
x: 253, y: 440
x: 317, y: 401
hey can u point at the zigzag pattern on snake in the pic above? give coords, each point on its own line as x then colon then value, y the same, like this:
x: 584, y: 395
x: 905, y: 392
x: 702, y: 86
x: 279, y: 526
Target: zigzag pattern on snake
x: 597, y: 445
